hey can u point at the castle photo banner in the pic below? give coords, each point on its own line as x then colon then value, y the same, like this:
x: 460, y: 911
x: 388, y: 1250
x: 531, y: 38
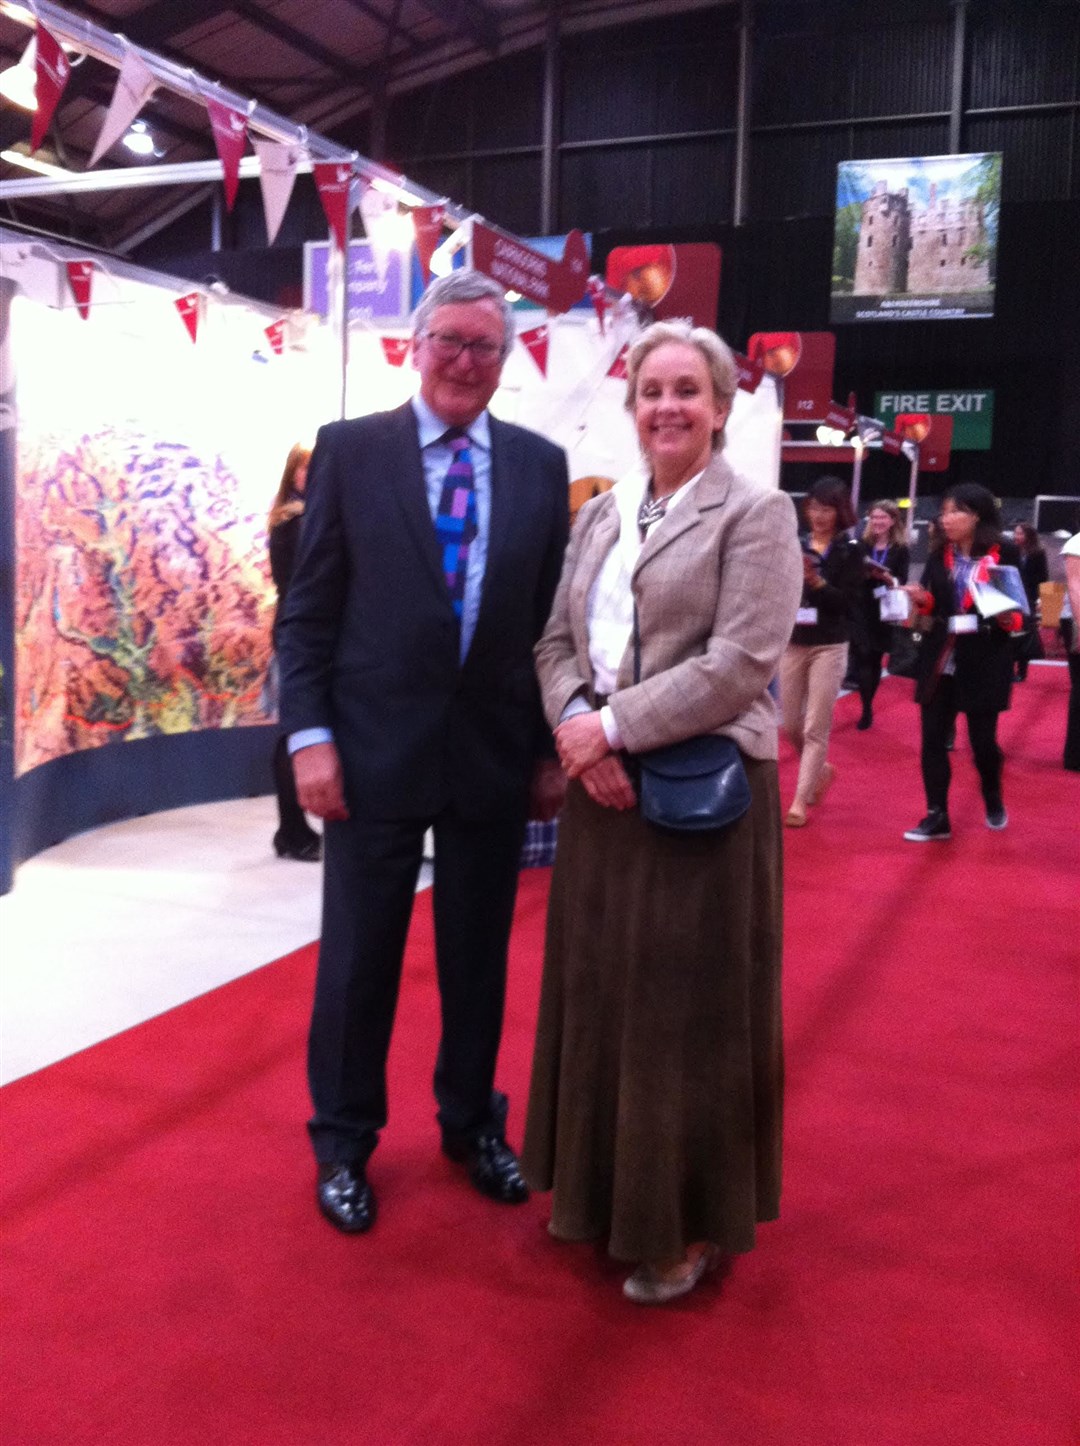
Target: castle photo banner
x: 916, y: 239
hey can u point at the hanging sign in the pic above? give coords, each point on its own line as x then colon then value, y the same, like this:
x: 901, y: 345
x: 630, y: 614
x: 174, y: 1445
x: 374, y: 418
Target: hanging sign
x: 52, y: 70
x: 230, y: 137
x: 805, y: 361
x: 428, y: 222
x: 134, y: 87
x: 892, y: 444
x: 535, y: 342
x: 189, y: 308
x: 395, y: 349
x: 842, y: 418
x: 277, y: 174
x: 556, y: 285
x: 972, y: 413
x: 333, y: 181
x: 80, y: 276
x: 275, y: 335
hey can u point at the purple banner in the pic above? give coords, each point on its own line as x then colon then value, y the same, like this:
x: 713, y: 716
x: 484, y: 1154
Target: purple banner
x: 369, y: 298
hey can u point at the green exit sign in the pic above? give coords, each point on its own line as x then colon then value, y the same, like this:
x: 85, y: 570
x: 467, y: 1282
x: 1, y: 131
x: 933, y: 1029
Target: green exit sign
x: 972, y: 413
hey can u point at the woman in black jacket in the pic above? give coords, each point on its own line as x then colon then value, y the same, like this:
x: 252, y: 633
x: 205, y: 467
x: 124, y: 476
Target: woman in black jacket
x: 814, y: 663
x: 295, y: 838
x: 886, y: 561
x: 966, y: 661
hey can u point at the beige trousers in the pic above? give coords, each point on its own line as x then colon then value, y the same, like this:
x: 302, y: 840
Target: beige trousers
x: 810, y: 680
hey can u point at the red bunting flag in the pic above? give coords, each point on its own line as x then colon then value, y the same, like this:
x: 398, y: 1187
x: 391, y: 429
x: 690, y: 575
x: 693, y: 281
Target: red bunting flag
x: 334, y: 181
x: 428, y: 222
x: 618, y: 366
x: 275, y: 335
x: 230, y: 137
x: 395, y: 349
x: 80, y: 278
x: 535, y: 342
x: 190, y: 307
x: 750, y: 372
x: 52, y: 69
x: 598, y: 296
x: 842, y: 418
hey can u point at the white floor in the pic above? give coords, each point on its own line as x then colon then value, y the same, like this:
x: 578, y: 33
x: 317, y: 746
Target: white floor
x: 119, y: 924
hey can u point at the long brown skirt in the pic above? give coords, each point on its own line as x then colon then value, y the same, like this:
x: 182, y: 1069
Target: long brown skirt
x: 657, y: 1084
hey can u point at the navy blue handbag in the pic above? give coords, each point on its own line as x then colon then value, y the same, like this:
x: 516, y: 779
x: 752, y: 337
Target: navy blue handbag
x: 694, y: 786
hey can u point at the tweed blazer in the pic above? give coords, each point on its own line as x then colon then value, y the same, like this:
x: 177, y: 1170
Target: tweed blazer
x: 716, y: 587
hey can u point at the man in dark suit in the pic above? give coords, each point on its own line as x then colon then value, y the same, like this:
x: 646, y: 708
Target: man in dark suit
x: 431, y: 548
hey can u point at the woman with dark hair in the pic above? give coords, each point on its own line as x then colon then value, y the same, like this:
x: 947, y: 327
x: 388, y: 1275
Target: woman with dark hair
x: 812, y: 668
x: 886, y: 561
x: 1034, y: 571
x: 965, y: 662
x: 295, y: 838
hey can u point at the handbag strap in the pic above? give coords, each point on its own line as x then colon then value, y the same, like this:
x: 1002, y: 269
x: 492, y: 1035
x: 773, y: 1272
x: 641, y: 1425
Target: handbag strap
x: 637, y: 649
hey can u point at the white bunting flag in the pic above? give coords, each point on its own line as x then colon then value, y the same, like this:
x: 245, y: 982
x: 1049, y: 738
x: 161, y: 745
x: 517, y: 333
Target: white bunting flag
x: 377, y: 209
x: 134, y: 87
x: 277, y: 175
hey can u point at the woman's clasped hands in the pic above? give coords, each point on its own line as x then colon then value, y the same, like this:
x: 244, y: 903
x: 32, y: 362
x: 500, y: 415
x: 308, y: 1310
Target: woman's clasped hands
x: 585, y: 754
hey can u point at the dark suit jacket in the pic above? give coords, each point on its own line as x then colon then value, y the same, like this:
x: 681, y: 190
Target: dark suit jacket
x: 841, y: 571
x: 984, y: 659
x: 368, y: 641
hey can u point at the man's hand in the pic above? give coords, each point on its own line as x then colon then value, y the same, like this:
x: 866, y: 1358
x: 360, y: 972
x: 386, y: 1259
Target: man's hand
x: 581, y: 742
x: 547, y: 791
x: 319, y: 781
x: 608, y: 784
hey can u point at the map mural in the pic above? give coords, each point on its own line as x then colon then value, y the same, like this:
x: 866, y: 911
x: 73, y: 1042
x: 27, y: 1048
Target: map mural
x: 145, y: 466
x: 143, y: 602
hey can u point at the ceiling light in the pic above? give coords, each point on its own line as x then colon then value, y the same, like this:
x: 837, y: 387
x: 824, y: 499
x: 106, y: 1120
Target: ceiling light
x: 31, y: 163
x: 18, y: 83
x: 139, y: 140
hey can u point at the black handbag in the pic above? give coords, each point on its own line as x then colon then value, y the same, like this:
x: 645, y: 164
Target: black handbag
x: 905, y: 645
x: 694, y: 786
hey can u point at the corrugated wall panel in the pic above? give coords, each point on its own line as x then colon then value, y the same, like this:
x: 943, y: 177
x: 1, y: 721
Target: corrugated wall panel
x: 1036, y: 150
x: 1027, y: 63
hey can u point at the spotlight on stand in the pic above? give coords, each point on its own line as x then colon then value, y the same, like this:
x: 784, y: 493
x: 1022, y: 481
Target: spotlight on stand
x: 830, y: 436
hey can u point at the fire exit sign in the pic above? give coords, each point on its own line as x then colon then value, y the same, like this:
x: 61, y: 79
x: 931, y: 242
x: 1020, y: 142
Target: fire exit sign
x: 972, y: 413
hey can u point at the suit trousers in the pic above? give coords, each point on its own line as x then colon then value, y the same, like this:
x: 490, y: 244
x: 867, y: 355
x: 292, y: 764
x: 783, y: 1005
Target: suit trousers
x: 810, y: 679
x: 938, y: 725
x: 369, y: 882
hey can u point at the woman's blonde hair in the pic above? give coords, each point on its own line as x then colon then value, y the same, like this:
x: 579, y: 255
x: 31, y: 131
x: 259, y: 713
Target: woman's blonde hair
x: 715, y: 352
x: 898, y: 530
x: 285, y: 504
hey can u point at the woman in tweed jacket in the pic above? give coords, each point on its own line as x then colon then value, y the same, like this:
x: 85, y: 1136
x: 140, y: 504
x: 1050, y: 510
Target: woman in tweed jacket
x: 655, y: 1107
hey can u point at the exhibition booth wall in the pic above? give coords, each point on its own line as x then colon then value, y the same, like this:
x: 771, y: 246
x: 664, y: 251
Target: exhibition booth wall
x: 144, y: 432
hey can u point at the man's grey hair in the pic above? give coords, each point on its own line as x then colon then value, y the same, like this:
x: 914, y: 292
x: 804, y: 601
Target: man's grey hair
x: 462, y: 286
x: 715, y: 352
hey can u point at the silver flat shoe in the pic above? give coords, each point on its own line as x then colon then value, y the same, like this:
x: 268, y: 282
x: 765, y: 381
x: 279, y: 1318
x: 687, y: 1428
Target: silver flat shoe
x: 645, y: 1287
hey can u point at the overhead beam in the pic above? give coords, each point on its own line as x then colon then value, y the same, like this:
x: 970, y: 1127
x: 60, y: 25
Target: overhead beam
x: 368, y: 76
x: 462, y: 17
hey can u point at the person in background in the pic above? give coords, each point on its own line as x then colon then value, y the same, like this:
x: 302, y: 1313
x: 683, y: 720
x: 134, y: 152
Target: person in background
x: 295, y: 838
x: 886, y: 562
x: 1071, y: 553
x: 965, y: 661
x: 815, y: 659
x: 1034, y: 571
x: 656, y: 1099
x: 431, y: 550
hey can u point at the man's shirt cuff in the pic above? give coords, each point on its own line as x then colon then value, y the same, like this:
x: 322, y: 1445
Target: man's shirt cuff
x: 306, y: 737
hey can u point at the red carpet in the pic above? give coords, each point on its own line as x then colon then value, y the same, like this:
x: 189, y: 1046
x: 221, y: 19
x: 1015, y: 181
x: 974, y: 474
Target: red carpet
x: 169, y: 1283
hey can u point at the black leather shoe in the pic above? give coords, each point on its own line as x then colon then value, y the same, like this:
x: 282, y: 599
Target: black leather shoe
x: 307, y: 850
x: 493, y: 1167
x: 346, y: 1198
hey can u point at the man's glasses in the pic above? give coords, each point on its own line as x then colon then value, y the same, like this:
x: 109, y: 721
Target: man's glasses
x: 448, y: 346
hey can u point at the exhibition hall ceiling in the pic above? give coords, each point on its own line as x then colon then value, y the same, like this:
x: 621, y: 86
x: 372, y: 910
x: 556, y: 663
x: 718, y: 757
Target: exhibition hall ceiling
x: 322, y: 63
